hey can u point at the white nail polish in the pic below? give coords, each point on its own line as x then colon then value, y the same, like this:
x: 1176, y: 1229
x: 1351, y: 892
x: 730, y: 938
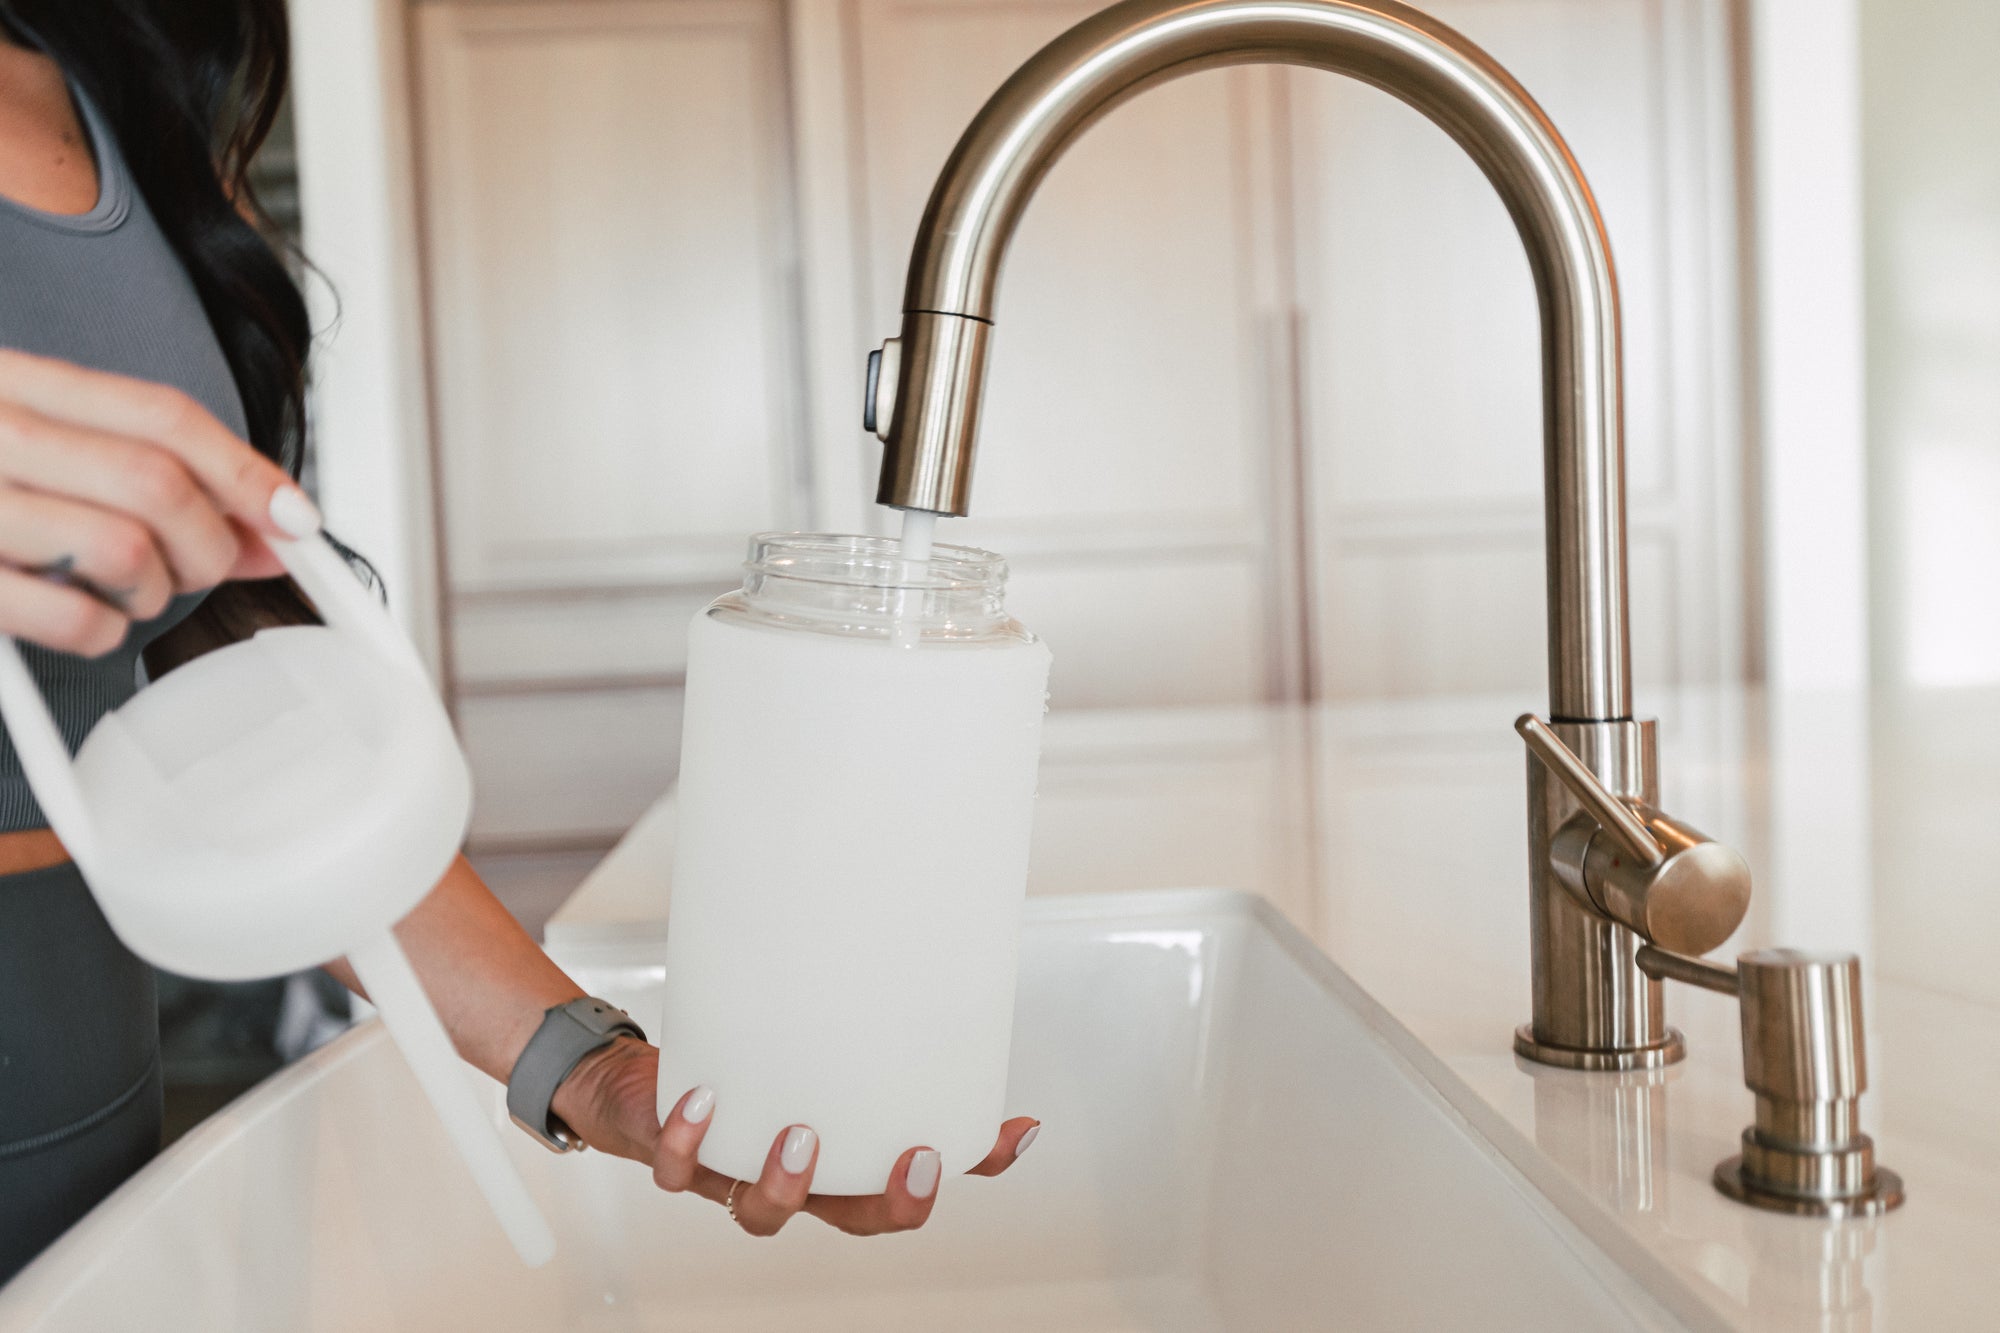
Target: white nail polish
x: 294, y: 513
x: 698, y: 1104
x: 1027, y: 1139
x: 922, y: 1177
x: 797, y: 1154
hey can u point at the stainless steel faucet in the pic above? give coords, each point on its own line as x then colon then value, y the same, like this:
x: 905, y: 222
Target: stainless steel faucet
x: 1608, y: 872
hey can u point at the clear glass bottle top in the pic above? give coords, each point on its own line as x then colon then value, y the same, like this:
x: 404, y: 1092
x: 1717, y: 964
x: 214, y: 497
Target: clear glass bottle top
x: 862, y: 587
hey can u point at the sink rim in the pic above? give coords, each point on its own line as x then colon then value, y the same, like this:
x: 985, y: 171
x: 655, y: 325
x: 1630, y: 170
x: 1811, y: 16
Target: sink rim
x: 1641, y: 1281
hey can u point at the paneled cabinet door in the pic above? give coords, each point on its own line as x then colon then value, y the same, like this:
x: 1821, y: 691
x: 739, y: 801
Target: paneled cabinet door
x: 610, y: 237
x: 1422, y: 356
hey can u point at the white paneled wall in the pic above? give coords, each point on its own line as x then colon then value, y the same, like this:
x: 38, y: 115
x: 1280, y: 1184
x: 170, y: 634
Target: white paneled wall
x: 611, y: 249
x: 1423, y: 382
x: 611, y: 260
x: 1933, y: 232
x: 1265, y: 358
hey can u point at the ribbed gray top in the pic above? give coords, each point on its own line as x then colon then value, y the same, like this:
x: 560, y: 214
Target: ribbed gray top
x: 102, y: 289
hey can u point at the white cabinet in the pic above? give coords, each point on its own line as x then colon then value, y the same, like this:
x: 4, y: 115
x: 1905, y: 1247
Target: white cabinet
x: 615, y: 344
x: 1422, y: 363
x: 1263, y: 418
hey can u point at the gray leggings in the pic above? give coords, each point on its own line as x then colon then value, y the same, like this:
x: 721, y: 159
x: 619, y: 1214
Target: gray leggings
x: 79, y: 1060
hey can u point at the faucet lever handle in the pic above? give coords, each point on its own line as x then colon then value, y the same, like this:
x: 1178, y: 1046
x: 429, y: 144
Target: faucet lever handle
x: 1611, y: 810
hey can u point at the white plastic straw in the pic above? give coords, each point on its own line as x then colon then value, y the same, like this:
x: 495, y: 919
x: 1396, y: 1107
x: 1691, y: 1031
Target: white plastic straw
x: 918, y: 528
x: 392, y: 986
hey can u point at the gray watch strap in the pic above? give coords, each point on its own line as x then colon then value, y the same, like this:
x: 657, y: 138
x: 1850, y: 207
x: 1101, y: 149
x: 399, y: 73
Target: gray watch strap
x: 567, y: 1034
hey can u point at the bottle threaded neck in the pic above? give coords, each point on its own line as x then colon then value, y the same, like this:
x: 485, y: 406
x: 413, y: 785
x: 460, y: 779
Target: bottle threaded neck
x: 855, y: 585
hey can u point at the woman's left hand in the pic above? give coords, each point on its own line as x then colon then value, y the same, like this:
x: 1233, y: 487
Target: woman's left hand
x: 610, y: 1101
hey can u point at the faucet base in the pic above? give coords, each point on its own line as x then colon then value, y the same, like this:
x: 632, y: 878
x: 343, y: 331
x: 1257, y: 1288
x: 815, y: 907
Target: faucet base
x: 1594, y: 1008
x: 1884, y: 1192
x: 1668, y: 1050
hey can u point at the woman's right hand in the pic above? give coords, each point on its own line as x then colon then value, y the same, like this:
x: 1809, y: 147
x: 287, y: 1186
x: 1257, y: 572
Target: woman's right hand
x: 118, y: 494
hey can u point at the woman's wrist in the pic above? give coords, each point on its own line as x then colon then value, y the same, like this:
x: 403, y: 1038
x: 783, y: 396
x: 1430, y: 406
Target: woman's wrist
x: 608, y: 1099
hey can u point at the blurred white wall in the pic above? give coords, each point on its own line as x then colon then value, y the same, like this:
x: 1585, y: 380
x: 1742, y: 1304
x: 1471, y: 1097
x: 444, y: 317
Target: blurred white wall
x: 1807, y: 358
x: 1931, y: 113
x: 351, y: 117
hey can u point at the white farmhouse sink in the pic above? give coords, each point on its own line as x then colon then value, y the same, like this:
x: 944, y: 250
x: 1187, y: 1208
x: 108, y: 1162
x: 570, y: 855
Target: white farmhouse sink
x: 1236, y: 1138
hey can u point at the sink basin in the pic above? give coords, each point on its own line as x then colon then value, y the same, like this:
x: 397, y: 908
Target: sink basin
x: 1236, y: 1138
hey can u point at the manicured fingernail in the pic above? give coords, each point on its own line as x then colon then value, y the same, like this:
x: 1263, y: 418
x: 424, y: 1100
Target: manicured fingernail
x: 698, y: 1104
x: 1027, y: 1139
x: 797, y: 1154
x: 294, y: 513
x: 922, y: 1177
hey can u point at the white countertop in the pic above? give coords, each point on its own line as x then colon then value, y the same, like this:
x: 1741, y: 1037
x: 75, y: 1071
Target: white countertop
x: 1394, y: 835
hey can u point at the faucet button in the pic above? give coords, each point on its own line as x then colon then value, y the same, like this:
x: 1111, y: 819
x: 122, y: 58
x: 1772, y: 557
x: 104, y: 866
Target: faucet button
x: 874, y: 383
x: 885, y: 368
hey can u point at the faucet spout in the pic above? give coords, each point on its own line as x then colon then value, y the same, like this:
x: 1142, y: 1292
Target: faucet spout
x: 930, y: 425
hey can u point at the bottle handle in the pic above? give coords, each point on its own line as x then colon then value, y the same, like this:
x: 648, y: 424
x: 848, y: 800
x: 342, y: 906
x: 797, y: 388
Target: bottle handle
x: 44, y: 755
x: 343, y: 603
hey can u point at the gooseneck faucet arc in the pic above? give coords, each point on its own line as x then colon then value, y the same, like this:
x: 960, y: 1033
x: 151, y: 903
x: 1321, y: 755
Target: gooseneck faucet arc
x: 1609, y: 874
x: 954, y: 271
x: 927, y: 383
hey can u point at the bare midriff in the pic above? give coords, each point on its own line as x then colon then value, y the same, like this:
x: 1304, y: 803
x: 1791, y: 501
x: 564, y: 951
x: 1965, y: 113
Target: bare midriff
x: 30, y: 849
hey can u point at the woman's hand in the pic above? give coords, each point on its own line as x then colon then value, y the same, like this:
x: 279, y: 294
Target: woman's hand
x: 610, y: 1099
x: 116, y: 495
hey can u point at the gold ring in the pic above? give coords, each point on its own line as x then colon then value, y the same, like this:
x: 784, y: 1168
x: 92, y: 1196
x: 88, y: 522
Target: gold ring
x: 729, y: 1199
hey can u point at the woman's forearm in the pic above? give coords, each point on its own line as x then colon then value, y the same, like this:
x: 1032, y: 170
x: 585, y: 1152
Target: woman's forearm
x: 488, y: 980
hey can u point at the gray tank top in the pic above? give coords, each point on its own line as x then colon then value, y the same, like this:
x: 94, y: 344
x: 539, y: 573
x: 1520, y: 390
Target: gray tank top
x: 102, y: 289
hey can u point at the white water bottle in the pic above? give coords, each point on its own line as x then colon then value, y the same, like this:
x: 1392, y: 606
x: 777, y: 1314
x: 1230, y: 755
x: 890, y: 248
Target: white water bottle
x: 857, y: 783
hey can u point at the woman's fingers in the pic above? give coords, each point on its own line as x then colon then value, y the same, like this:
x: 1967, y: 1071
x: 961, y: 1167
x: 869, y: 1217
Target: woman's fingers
x: 108, y: 555
x: 245, y: 484
x: 1015, y: 1138
x: 129, y: 492
x: 763, y: 1207
x: 904, y: 1206
x: 47, y: 456
x: 56, y: 616
x: 784, y: 1189
x: 674, y: 1165
x: 255, y: 558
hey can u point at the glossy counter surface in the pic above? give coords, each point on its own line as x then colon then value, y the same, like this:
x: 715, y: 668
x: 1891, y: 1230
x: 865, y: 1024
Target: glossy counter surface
x: 1393, y: 836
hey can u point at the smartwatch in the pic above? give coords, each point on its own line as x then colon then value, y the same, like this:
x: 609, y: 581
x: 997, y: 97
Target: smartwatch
x: 567, y: 1034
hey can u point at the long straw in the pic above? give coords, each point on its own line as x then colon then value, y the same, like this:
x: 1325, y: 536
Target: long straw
x: 918, y: 528
x: 392, y: 987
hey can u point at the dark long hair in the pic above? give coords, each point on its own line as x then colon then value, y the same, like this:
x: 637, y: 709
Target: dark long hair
x: 190, y: 89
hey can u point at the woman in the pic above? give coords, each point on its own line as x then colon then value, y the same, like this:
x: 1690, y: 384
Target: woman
x: 152, y: 372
